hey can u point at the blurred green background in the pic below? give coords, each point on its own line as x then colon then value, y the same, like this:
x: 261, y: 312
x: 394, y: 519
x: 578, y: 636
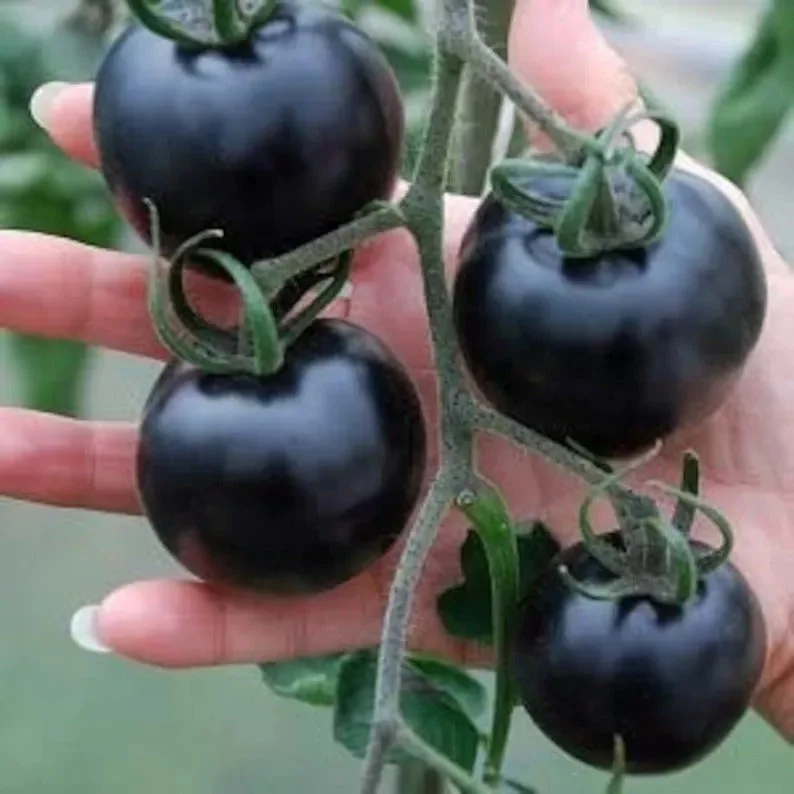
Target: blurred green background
x: 73, y: 723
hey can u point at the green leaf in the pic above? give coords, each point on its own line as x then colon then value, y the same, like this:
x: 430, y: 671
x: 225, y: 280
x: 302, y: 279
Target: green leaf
x: 465, y: 610
x: 468, y: 692
x: 310, y: 680
x: 427, y: 704
x: 752, y: 104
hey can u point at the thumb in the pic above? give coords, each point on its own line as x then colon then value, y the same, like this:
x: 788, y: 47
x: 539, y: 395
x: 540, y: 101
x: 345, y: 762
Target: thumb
x: 556, y: 47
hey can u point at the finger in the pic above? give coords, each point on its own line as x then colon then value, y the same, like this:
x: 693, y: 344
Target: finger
x: 62, y: 289
x: 68, y: 463
x: 775, y: 701
x: 590, y: 83
x: 180, y: 624
x: 65, y: 112
x: 187, y: 624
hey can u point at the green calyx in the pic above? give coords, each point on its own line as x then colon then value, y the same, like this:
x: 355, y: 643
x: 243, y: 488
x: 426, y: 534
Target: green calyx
x: 258, y: 344
x: 609, y: 196
x: 230, y: 26
x: 657, y: 558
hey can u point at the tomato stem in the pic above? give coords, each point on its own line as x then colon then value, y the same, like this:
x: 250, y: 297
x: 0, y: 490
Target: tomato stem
x: 391, y: 654
x: 375, y: 219
x: 193, y: 339
x: 464, y: 40
x: 423, y: 210
x: 484, y: 418
x: 592, y: 220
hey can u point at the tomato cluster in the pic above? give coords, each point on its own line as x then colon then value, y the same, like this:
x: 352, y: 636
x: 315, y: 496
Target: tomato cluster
x: 298, y: 480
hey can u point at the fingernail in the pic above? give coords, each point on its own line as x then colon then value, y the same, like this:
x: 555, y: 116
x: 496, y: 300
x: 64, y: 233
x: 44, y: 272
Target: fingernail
x: 83, y: 629
x: 347, y: 291
x: 43, y: 99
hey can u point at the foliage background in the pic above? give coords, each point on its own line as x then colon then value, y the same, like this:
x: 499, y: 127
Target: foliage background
x: 76, y: 724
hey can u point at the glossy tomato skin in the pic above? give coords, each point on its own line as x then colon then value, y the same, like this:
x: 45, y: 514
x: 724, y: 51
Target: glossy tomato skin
x: 294, y: 482
x: 276, y: 142
x: 672, y: 682
x: 616, y: 351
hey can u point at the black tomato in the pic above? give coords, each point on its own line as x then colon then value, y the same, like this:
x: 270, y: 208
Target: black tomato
x: 673, y: 682
x: 276, y: 142
x: 294, y: 482
x: 615, y: 351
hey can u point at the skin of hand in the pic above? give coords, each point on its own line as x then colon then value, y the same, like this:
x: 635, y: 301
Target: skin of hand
x: 62, y: 289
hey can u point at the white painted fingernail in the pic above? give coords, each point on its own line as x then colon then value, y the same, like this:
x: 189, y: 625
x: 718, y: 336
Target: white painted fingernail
x: 43, y: 99
x: 83, y: 629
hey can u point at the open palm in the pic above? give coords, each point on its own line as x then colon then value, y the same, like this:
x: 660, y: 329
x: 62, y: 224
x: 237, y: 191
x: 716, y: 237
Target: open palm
x: 62, y: 289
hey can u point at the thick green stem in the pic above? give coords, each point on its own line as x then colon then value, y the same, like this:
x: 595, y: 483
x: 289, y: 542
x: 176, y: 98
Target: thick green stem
x: 479, y: 107
x: 423, y: 209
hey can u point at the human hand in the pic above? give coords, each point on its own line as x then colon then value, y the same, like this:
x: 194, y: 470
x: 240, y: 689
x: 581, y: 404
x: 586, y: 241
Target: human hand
x: 61, y: 289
